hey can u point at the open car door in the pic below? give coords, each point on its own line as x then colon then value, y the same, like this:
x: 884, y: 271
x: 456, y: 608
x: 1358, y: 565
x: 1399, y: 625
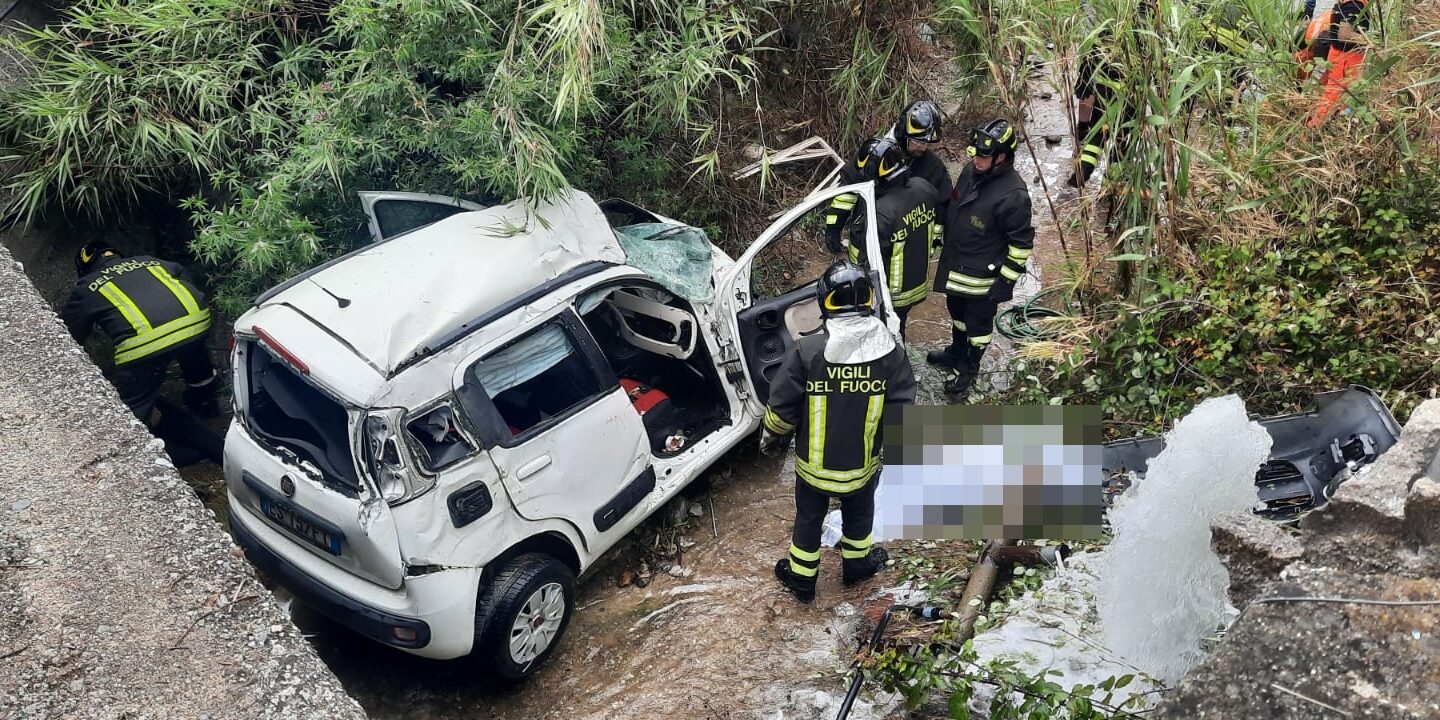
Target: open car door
x: 396, y: 213
x: 760, y: 334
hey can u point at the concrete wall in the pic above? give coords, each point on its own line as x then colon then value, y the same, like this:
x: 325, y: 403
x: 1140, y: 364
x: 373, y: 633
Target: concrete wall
x: 120, y: 596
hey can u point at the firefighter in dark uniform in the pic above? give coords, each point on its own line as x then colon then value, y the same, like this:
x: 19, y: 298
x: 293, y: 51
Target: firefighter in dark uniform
x: 155, y: 315
x: 917, y: 128
x: 905, y: 212
x: 831, y: 394
x: 1092, y: 96
x: 988, y: 238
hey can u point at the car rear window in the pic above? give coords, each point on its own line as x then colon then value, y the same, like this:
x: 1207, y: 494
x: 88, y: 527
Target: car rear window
x: 285, y: 410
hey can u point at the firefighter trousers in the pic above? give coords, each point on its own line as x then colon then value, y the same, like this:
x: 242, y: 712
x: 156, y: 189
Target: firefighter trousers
x: 972, y: 320
x: 857, y: 518
x: 139, y: 381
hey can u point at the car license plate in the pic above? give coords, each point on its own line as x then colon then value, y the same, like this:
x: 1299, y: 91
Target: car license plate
x: 286, y: 516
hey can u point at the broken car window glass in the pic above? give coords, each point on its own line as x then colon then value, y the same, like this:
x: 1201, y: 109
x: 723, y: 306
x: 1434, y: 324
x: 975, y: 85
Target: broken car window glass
x: 538, y: 377
x: 439, y: 436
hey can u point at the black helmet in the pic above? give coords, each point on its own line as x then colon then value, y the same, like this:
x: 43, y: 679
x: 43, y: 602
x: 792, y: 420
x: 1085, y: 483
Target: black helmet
x: 993, y: 137
x: 89, y: 254
x: 881, y: 159
x: 920, y: 122
x: 844, y: 290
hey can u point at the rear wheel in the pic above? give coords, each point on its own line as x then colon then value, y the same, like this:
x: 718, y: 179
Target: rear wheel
x: 522, y: 614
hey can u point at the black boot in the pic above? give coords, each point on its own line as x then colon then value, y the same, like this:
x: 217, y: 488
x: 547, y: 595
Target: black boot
x: 951, y: 357
x: 862, y: 569
x: 968, y: 370
x: 1081, y: 175
x: 803, y: 588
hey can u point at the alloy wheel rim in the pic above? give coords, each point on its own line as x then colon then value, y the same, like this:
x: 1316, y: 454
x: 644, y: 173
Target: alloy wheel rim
x: 537, y: 623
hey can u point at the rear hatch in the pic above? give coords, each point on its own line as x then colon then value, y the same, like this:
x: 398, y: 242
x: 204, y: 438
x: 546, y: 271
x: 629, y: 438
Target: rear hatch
x: 307, y: 483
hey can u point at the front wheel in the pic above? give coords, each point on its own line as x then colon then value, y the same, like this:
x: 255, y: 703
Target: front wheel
x: 522, y: 615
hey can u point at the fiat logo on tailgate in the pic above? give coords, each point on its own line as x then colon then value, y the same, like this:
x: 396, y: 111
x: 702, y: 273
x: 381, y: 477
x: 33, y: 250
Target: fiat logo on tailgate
x: 287, y: 486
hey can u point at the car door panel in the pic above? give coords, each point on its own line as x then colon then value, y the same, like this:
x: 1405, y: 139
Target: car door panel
x: 396, y: 213
x: 765, y: 331
x: 559, y: 464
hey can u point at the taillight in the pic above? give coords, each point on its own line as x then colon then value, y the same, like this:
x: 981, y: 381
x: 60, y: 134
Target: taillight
x: 280, y: 350
x: 382, y: 451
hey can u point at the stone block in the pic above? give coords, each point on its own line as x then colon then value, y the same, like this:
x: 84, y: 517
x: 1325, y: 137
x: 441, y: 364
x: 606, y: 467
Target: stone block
x: 1254, y: 550
x: 1422, y: 512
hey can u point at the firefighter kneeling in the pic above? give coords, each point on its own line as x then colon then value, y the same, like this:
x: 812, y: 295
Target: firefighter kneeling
x: 832, y: 393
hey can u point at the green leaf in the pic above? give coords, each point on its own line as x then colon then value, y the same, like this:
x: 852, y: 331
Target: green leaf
x: 1127, y: 257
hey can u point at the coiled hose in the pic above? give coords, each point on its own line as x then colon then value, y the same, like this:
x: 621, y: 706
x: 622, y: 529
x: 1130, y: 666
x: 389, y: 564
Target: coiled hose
x: 1018, y: 322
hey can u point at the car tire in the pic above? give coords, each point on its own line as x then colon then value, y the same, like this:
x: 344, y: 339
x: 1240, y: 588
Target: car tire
x: 521, y: 615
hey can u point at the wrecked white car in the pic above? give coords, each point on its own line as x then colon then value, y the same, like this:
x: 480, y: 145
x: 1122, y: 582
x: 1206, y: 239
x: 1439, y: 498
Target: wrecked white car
x: 435, y: 434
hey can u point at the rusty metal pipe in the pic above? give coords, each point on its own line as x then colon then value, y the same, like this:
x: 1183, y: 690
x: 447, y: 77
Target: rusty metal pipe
x: 978, y: 589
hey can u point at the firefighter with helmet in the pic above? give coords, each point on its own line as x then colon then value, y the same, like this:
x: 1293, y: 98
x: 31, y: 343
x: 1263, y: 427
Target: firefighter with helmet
x: 905, y: 214
x: 917, y: 130
x: 831, y: 394
x: 155, y: 315
x: 988, y: 238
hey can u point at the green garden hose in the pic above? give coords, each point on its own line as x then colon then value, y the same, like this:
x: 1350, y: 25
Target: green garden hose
x: 1018, y: 321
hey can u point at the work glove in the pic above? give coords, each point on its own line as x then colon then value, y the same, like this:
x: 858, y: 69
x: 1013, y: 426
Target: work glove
x: 832, y: 238
x: 772, y: 445
x: 1002, y: 291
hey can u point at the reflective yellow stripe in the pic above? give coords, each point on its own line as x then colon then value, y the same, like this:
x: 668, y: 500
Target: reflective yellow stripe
x: 873, y: 410
x: 912, y: 296
x: 981, y: 340
x: 844, y: 202
x: 1090, y: 154
x: 1009, y: 274
x: 803, y: 571
x: 127, y: 307
x: 897, y: 268
x: 181, y: 292
x: 831, y: 219
x: 1227, y: 37
x: 163, y: 337
x: 854, y: 549
x: 802, y: 555
x: 969, y: 279
x: 836, y: 482
x: 958, y: 325
x: 775, y: 424
x: 817, y: 430
x: 1018, y: 253
x: 854, y: 253
x: 966, y: 290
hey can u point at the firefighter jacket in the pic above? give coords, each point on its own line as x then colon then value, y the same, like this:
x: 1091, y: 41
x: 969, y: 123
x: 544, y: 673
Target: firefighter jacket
x: 928, y: 166
x: 146, y: 306
x: 906, y: 213
x: 988, y: 233
x: 932, y: 168
x: 835, y: 411
x: 841, y: 207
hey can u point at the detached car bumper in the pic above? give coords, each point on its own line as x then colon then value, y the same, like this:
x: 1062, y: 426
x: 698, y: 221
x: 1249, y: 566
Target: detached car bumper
x: 431, y: 616
x: 1312, y: 452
